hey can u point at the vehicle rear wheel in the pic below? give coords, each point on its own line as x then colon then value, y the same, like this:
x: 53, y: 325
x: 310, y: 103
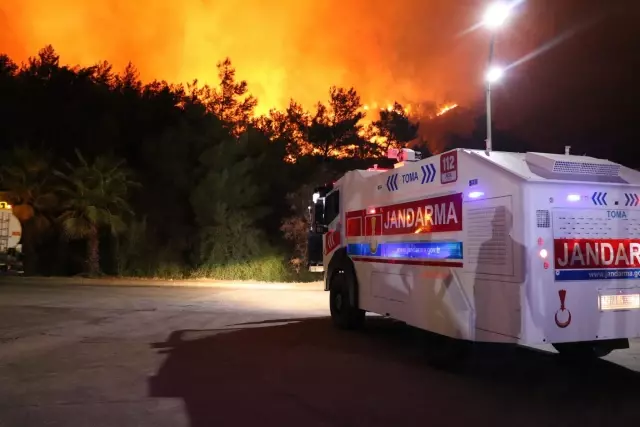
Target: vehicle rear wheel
x: 344, y: 311
x: 582, y: 350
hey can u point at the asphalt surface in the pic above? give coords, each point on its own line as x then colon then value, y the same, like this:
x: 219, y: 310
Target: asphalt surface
x: 143, y: 356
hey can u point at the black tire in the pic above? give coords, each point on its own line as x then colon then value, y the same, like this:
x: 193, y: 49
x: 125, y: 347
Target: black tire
x: 582, y: 350
x: 344, y: 311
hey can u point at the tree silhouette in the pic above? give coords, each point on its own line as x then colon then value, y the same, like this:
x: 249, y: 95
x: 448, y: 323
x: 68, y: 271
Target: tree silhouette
x: 226, y: 202
x: 395, y: 127
x: 45, y: 65
x: 94, y: 196
x: 334, y: 130
x: 288, y: 126
x: 129, y: 81
x: 231, y: 101
x: 8, y: 68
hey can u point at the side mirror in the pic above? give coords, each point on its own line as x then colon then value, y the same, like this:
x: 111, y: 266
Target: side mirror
x: 321, y: 228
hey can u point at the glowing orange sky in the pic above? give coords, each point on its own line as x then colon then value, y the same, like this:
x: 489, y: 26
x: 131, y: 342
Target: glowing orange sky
x: 404, y: 50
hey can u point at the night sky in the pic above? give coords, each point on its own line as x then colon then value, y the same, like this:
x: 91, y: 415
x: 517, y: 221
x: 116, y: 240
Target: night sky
x: 583, y: 91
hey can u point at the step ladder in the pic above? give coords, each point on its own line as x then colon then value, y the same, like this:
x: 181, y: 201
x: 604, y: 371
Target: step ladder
x: 5, y: 218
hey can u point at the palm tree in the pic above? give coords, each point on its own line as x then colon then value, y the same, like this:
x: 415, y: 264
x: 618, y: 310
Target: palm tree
x: 26, y: 177
x: 94, y: 197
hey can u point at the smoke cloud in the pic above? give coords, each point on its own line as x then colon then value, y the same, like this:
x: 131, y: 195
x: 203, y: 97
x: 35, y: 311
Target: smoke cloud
x: 404, y: 50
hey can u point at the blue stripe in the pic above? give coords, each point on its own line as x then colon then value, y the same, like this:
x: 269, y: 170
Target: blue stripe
x: 414, y: 250
x: 601, y: 274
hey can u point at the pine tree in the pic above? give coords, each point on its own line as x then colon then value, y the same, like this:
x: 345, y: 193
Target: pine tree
x: 227, y: 201
x: 395, y: 127
x: 231, y: 102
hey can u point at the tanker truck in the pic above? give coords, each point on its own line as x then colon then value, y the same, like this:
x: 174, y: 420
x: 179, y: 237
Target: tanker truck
x: 10, y: 239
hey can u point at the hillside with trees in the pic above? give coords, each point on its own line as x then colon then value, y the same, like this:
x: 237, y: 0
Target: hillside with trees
x: 110, y: 175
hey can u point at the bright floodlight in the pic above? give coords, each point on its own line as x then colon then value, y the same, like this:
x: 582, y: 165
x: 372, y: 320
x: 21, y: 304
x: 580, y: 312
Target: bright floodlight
x: 494, y: 74
x: 496, y: 14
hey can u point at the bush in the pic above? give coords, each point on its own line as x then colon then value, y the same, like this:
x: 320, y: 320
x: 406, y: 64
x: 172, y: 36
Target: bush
x: 269, y: 268
x: 139, y: 255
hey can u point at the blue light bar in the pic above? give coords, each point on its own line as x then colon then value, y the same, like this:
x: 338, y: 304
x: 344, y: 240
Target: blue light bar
x: 417, y: 250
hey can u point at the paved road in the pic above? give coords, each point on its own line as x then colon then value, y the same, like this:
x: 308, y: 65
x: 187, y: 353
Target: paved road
x: 127, y: 356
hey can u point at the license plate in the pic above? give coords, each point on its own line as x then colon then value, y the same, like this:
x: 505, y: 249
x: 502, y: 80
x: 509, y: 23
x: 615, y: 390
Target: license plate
x: 619, y: 302
x: 316, y: 269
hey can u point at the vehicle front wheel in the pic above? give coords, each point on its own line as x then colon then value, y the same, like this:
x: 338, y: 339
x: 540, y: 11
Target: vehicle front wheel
x: 344, y: 313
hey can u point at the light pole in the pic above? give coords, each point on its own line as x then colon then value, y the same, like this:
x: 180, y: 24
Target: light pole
x: 493, y: 75
x: 494, y: 18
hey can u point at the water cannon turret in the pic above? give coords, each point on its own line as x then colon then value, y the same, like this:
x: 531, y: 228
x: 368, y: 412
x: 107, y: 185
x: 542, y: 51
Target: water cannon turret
x: 404, y: 155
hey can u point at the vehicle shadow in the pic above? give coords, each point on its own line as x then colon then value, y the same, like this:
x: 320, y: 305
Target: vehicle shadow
x: 304, y: 372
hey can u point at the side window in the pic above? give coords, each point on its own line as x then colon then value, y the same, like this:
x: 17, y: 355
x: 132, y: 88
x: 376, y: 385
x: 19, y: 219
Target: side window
x: 318, y: 216
x: 332, y: 207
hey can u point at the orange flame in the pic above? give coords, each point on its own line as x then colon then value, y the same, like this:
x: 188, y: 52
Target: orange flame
x: 446, y: 109
x: 284, y: 51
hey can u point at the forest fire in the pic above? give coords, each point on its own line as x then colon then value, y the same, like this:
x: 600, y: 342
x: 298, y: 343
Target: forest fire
x: 416, y: 111
x: 284, y: 51
x: 446, y: 109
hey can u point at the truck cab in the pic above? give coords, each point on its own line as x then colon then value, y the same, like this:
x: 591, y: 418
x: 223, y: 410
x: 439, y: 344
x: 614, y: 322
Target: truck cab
x: 318, y: 226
